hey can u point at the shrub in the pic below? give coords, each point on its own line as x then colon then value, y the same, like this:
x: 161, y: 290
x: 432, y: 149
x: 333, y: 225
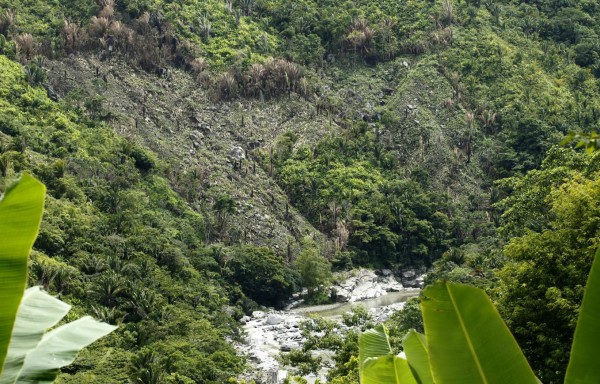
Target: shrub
x: 26, y: 46
x: 263, y: 276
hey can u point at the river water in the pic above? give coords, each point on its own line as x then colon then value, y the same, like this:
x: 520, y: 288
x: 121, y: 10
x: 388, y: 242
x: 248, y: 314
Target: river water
x: 334, y: 311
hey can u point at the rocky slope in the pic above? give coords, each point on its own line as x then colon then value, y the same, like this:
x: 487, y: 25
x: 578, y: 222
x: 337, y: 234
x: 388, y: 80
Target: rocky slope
x: 214, y: 148
x: 213, y: 141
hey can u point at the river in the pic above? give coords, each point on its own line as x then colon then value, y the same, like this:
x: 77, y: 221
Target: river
x: 334, y: 311
x: 269, y: 333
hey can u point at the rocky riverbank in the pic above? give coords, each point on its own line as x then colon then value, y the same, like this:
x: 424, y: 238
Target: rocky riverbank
x: 366, y: 284
x: 270, y: 332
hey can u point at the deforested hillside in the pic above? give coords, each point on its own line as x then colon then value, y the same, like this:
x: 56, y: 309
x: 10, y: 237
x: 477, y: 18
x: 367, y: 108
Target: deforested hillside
x: 194, y: 149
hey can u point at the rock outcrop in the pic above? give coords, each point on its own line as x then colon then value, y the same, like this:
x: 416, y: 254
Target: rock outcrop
x: 366, y: 284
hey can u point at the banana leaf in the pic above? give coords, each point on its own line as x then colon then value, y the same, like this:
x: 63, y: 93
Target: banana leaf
x: 377, y: 364
x: 387, y: 369
x: 59, y: 347
x: 38, y: 312
x: 373, y: 345
x: 467, y: 340
x: 415, y: 348
x: 404, y: 374
x: 20, y: 215
x: 584, y: 366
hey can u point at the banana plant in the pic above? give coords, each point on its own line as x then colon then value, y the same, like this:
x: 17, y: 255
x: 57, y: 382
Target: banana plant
x: 20, y: 215
x: 27, y: 353
x: 466, y: 341
x: 583, y: 365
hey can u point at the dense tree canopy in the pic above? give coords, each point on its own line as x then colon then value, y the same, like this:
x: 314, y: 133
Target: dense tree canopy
x: 556, y: 215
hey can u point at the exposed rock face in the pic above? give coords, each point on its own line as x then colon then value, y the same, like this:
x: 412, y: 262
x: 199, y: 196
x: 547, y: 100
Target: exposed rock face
x: 237, y: 154
x: 413, y: 278
x: 196, y: 138
x: 366, y: 284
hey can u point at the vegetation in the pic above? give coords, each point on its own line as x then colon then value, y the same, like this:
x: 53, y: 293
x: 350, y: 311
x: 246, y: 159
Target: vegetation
x: 552, y: 257
x: 366, y: 133
x: 102, y: 246
x: 314, y: 269
x: 21, y: 211
x: 27, y: 354
x: 465, y: 340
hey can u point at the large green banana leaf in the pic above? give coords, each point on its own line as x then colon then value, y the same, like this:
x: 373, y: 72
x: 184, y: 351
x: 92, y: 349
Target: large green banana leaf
x: 415, y: 348
x: 20, y: 215
x: 373, y: 345
x: 59, y: 347
x: 387, y: 369
x: 467, y: 340
x: 377, y: 364
x: 404, y: 374
x: 584, y: 365
x: 38, y: 312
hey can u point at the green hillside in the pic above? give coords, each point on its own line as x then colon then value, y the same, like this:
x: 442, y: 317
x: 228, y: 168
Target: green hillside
x: 193, y: 149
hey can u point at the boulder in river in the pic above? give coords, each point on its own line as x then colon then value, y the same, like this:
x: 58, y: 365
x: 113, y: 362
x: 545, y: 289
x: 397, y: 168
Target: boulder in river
x: 274, y: 319
x: 258, y: 314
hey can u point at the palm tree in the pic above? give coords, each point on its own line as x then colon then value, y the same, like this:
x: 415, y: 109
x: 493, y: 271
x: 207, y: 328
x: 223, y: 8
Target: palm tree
x: 224, y: 207
x: 41, y: 273
x: 142, y: 303
x: 93, y: 265
x: 120, y: 267
x: 108, y: 288
x: 146, y: 368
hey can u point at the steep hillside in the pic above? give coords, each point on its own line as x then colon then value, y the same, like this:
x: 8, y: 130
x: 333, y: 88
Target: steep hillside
x: 193, y: 149
x: 208, y: 148
x: 119, y: 243
x: 401, y: 106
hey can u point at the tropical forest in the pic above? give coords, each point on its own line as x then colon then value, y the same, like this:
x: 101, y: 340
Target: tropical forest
x: 274, y: 191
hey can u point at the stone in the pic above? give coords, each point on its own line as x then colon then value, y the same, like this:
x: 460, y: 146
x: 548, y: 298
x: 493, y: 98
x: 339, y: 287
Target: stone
x: 281, y: 375
x: 205, y: 128
x: 196, y: 135
x: 409, y: 274
x: 274, y: 320
x: 244, y: 320
x: 258, y: 314
x: 51, y: 93
x: 342, y: 295
x: 237, y: 154
x: 293, y: 322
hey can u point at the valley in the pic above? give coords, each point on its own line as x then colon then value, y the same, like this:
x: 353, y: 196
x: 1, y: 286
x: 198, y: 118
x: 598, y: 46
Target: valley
x: 211, y: 162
